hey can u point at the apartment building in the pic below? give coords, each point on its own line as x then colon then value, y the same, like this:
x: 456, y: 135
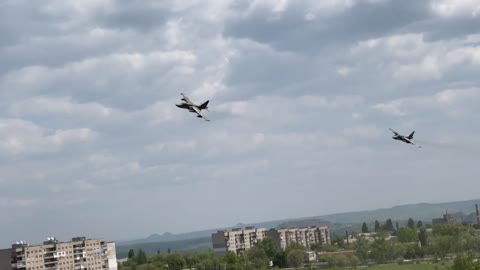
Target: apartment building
x: 78, y: 254
x: 304, y: 236
x: 5, y: 259
x: 238, y: 240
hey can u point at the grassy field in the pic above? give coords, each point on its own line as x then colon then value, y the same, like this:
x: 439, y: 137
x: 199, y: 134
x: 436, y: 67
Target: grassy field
x: 404, y: 267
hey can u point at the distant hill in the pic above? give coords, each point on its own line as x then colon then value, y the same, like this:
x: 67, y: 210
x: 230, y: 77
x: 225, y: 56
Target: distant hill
x: 183, y: 246
x: 169, y: 237
x: 201, y: 240
x: 303, y: 223
x: 421, y: 211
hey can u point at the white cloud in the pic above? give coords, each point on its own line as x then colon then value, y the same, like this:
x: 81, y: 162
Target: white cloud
x: 447, y: 101
x: 59, y: 106
x: 409, y: 57
x: 449, y: 8
x: 23, y: 137
x: 88, y: 92
x: 6, y: 202
x: 62, y: 137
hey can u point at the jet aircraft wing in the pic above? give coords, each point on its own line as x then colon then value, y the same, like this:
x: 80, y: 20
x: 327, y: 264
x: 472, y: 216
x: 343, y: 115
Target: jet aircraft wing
x: 199, y: 113
x: 186, y: 99
x: 394, y: 132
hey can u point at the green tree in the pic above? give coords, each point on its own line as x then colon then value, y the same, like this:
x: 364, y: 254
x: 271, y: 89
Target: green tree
x: 270, y: 247
x: 448, y: 229
x: 465, y: 262
x: 362, y: 248
x: 445, y: 244
x: 379, y: 250
x: 422, y: 237
x: 407, y: 235
x: 316, y: 247
x: 473, y: 244
x: 337, y: 241
x: 364, y: 227
x: 294, y: 246
x: 280, y: 259
x: 295, y: 258
x: 419, y: 224
x: 338, y: 261
x: 175, y: 261
x: 383, y: 250
x: 257, y: 257
x: 377, y: 226
x: 397, y: 226
x: 131, y: 254
x: 141, y: 257
x: 411, y: 223
x: 389, y: 225
x: 353, y: 261
x: 230, y: 258
x: 410, y: 252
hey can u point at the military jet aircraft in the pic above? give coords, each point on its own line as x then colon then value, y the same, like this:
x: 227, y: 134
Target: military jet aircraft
x: 192, y: 107
x: 407, y: 139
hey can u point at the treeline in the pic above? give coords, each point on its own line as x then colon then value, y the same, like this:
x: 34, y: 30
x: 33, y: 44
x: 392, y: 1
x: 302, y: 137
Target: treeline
x: 388, y: 226
x: 412, y: 241
x: 265, y: 254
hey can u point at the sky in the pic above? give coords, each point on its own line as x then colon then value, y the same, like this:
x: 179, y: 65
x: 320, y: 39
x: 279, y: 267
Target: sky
x: 302, y: 94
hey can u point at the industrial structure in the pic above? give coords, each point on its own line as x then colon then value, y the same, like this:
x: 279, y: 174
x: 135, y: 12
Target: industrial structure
x: 447, y: 219
x: 477, y: 214
x: 239, y: 241
x: 78, y: 254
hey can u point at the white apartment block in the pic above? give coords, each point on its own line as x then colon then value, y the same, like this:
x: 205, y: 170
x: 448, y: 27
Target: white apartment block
x: 237, y: 240
x: 78, y: 254
x: 304, y: 236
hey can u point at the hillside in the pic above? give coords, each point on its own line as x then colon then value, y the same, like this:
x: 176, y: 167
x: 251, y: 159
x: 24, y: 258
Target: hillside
x: 183, y: 246
x: 351, y: 221
x: 422, y: 211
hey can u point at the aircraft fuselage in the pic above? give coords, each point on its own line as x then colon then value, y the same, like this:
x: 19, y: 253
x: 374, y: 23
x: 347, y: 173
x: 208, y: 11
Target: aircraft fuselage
x: 184, y: 105
x: 400, y: 138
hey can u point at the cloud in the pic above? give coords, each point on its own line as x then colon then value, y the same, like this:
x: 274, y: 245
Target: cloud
x: 449, y: 8
x: 300, y: 92
x: 22, y: 137
x: 450, y: 101
x: 6, y: 202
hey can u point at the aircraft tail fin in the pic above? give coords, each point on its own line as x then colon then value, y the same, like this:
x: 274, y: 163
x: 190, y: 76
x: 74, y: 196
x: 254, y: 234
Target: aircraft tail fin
x: 411, y: 135
x: 204, y: 106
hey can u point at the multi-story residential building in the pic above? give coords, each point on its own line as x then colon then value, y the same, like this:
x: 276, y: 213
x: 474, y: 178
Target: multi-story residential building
x: 237, y: 240
x: 78, y: 254
x: 5, y: 259
x: 304, y: 236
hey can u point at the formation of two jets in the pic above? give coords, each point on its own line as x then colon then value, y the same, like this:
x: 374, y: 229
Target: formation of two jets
x: 187, y: 104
